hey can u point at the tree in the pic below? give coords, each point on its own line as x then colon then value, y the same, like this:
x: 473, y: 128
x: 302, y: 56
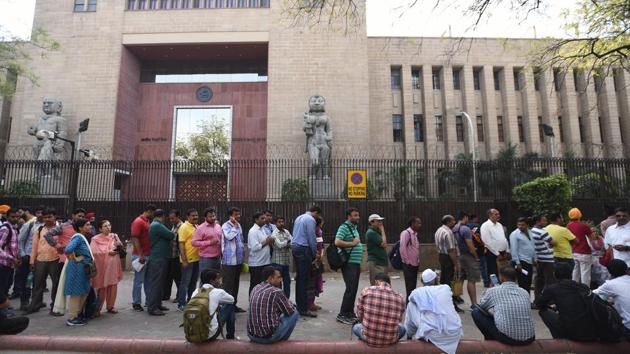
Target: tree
x: 544, y: 195
x: 15, y: 55
x: 210, y: 144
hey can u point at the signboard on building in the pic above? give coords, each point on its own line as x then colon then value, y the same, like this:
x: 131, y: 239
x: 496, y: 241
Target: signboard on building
x: 357, y: 184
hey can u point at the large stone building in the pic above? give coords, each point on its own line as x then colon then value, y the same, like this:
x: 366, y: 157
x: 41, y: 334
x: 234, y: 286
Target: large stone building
x: 397, y: 98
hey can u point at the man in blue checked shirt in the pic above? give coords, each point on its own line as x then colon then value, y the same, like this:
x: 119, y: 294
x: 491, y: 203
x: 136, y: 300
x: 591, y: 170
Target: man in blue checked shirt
x: 232, y: 257
x: 304, y: 248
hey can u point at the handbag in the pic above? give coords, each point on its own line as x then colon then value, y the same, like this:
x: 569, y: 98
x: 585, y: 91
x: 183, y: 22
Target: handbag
x: 457, y: 286
x: 120, y: 249
x: 89, y: 268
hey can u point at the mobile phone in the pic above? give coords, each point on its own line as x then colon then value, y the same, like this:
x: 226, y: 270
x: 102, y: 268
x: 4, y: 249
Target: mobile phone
x: 494, y: 279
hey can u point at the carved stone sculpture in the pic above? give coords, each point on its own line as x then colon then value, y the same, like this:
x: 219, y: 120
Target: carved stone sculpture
x: 318, y: 137
x: 44, y: 148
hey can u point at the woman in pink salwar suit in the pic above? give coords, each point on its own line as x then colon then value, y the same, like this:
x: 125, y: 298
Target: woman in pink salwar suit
x: 108, y: 266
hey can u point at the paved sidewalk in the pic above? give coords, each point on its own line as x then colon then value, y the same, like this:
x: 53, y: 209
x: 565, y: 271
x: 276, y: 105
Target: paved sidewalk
x: 128, y: 323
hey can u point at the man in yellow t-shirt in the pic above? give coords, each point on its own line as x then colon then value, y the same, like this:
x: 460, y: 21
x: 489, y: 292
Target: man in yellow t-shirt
x: 189, y: 257
x: 562, y: 251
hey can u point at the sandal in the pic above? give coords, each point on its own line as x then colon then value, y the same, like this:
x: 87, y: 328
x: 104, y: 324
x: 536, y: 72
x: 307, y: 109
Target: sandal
x: 112, y: 311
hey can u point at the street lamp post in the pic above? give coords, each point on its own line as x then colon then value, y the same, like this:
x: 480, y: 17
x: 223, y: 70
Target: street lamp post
x: 473, y: 147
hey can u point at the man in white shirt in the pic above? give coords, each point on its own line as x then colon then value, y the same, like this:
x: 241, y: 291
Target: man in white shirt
x: 431, y: 315
x: 259, y: 245
x: 493, y: 237
x: 617, y: 236
x: 212, y: 280
x: 618, y: 290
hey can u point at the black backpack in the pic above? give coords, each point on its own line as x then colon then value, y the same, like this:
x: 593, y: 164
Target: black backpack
x: 609, y: 324
x: 336, y: 259
x: 394, y: 255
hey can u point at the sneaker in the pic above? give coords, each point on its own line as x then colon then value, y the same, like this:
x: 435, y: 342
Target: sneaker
x: 75, y: 322
x: 137, y: 308
x: 345, y: 320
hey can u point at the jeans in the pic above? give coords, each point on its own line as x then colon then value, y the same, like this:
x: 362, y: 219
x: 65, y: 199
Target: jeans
x: 209, y: 263
x: 303, y: 257
x: 490, y: 331
x: 582, y: 269
x: 286, y: 278
x: 155, y: 274
x: 139, y: 278
x: 40, y: 273
x: 483, y: 268
x: 351, y: 273
x: 525, y: 281
x: 356, y: 329
x: 228, y: 318
x: 20, y: 285
x: 6, y: 278
x: 283, y: 332
x: 173, y: 275
x: 411, y: 279
x: 231, y: 279
x: 188, y: 283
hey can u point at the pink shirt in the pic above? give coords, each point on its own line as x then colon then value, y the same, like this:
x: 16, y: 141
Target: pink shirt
x: 409, y: 247
x: 207, y: 239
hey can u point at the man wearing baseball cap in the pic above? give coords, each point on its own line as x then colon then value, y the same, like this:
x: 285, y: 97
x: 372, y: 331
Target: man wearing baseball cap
x: 376, y: 247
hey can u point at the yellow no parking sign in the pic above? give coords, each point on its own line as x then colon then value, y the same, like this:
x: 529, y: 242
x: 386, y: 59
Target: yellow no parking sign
x: 357, y: 184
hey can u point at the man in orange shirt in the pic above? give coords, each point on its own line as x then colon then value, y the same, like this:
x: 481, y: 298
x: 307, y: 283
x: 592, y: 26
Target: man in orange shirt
x: 44, y: 262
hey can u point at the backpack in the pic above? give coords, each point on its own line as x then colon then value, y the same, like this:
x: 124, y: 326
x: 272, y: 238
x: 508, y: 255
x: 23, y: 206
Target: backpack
x: 394, y: 255
x: 336, y: 260
x: 609, y: 324
x: 197, y: 318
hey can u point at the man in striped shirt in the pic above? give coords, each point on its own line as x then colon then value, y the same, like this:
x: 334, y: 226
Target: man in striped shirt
x: 348, y: 241
x: 544, y: 255
x: 272, y: 317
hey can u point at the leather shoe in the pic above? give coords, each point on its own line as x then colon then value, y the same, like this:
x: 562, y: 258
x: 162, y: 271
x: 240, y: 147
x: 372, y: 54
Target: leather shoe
x: 163, y: 308
x: 239, y: 310
x: 156, y: 313
x: 308, y: 314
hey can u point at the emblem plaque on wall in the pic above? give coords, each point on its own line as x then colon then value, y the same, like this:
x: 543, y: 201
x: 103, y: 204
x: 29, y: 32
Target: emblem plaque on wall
x: 204, y: 94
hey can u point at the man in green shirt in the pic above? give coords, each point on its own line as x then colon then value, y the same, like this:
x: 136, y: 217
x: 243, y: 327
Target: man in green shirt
x: 376, y: 247
x: 157, y: 265
x: 348, y: 241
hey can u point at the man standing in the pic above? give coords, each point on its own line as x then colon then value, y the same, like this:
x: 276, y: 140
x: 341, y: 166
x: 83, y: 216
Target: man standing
x: 523, y: 253
x: 376, y: 242
x: 511, y: 322
x: 59, y: 237
x: 582, y: 253
x: 617, y: 289
x: 447, y: 253
x: 141, y: 250
x: 430, y: 315
x: 468, y: 257
x: 259, y: 246
x: 21, y: 288
x: 304, y: 249
x: 157, y: 266
x: 269, y: 227
x: 207, y: 240
x: 610, y: 220
x: 173, y: 268
x: 617, y: 237
x: 272, y: 317
x: 380, y: 310
x: 232, y: 254
x: 543, y: 244
x: 410, y: 253
x: 562, y: 252
x: 44, y: 262
x: 348, y: 241
x: 9, y: 253
x: 281, y: 256
x: 189, y: 258
x: 493, y: 237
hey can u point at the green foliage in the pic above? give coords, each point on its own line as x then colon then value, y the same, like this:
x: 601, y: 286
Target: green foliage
x: 22, y: 188
x: 593, y: 186
x: 210, y: 144
x: 544, y: 195
x: 295, y: 189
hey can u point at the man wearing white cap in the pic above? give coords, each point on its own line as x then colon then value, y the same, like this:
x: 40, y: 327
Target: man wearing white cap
x: 376, y: 247
x: 431, y: 314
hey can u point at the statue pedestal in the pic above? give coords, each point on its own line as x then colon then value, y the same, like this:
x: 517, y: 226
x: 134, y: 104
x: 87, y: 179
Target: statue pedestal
x: 322, y: 189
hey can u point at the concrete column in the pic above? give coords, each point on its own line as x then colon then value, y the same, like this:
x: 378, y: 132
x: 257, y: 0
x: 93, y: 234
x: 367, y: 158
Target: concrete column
x: 610, y: 116
x: 491, y: 138
x: 530, y: 112
x: 468, y: 102
x: 550, y: 109
x: 570, y: 121
x: 623, y: 103
x: 430, y: 139
x: 510, y: 123
x: 452, y: 146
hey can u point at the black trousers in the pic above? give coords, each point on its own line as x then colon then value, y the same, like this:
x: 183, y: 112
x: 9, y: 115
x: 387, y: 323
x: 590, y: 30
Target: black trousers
x: 447, y: 269
x: 231, y: 279
x: 21, y: 277
x: 411, y: 278
x: 173, y: 275
x: 155, y: 274
x: 255, y: 276
x: 552, y: 321
x: 525, y: 281
x: 351, y: 273
x: 491, y: 264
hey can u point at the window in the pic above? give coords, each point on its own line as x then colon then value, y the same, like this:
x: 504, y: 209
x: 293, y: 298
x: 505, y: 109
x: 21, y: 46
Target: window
x: 477, y: 79
x: 521, y: 129
x: 617, y: 79
x: 439, y: 127
x: 581, y: 128
x: 500, y: 128
x: 91, y: 6
x: 418, y: 128
x: 560, y: 130
x: 79, y: 5
x: 142, y: 4
x: 153, y: 5
x: 537, y: 79
x: 497, y: 80
x: 437, y: 85
x: 395, y: 78
x: 576, y: 80
x: 398, y: 127
x: 174, y: 4
x: 456, y: 80
x: 459, y: 128
x: 541, y: 132
x: 415, y: 79
x: 601, y: 129
x: 517, y: 80
x: 131, y: 4
x: 558, y: 79
x: 480, y: 128
x: 185, y: 4
x: 599, y: 83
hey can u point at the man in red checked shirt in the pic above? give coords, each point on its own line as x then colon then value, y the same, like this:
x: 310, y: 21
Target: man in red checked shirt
x: 141, y: 250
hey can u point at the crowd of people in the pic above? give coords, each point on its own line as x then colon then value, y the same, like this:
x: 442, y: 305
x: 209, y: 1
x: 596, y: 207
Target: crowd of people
x: 206, y: 259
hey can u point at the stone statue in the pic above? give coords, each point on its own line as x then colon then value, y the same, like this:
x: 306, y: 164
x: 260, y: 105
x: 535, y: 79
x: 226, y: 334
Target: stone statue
x: 44, y: 148
x: 318, y: 137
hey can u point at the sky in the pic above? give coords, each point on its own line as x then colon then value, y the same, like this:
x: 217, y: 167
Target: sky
x: 390, y: 18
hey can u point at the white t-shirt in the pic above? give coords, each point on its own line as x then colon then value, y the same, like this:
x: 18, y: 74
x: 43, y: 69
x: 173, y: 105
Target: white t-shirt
x: 619, y: 290
x: 216, y: 297
x: 493, y: 236
x: 619, y: 235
